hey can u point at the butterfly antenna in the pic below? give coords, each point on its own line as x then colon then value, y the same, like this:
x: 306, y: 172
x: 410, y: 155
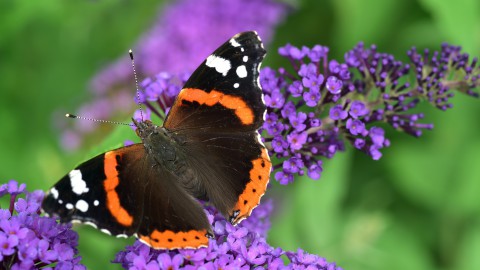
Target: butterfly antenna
x: 130, y: 52
x: 97, y: 120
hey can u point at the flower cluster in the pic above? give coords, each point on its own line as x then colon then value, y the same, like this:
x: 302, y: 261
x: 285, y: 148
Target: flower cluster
x: 234, y: 247
x: 28, y: 241
x: 318, y: 104
x: 175, y: 43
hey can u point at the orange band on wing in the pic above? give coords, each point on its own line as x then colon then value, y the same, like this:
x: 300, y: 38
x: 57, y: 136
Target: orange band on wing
x: 255, y: 188
x: 113, y: 202
x: 170, y: 240
x: 242, y: 110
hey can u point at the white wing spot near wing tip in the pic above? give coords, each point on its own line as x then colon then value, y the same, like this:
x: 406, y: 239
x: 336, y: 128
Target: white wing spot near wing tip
x: 221, y: 65
x: 82, y: 205
x: 234, y: 42
x: 79, y: 185
x: 69, y: 206
x: 54, y: 192
x: 95, y: 202
x: 242, y: 49
x: 121, y: 236
x: 60, y: 201
x: 245, y: 58
x: 236, y: 85
x: 242, y: 71
x: 76, y: 221
x: 105, y: 231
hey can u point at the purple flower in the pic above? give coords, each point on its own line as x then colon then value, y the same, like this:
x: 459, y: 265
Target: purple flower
x: 296, y: 88
x: 359, y: 143
x: 27, y: 239
x: 311, y: 98
x: 297, y: 121
x: 292, y: 51
x: 378, y: 136
x: 288, y: 110
x: 167, y: 262
x: 358, y: 109
x: 308, y: 70
x: 7, y: 244
x: 374, y: 153
x: 275, y: 100
x: 279, y: 144
x: 337, y: 113
x: 334, y: 85
x: 355, y: 126
x: 14, y: 189
x: 293, y: 165
x: 296, y: 140
x: 313, y: 82
x: 314, y: 171
x: 317, y: 52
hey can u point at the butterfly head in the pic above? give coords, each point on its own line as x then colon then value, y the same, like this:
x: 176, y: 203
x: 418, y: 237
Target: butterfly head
x: 144, y: 128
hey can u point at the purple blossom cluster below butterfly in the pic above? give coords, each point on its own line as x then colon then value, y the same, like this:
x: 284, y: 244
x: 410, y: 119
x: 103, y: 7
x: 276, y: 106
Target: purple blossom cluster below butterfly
x: 316, y: 105
x: 234, y: 247
x: 28, y: 241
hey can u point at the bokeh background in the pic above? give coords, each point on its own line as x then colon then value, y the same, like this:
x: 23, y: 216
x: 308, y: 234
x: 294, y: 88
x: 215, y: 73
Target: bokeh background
x: 416, y: 208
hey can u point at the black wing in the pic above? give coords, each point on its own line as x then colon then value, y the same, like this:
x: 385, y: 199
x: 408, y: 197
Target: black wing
x: 122, y: 193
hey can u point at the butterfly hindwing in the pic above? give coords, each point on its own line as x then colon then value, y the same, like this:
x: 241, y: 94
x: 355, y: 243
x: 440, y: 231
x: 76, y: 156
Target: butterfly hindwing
x: 233, y: 168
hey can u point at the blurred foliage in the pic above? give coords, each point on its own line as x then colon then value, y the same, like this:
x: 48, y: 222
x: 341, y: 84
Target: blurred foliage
x: 416, y: 208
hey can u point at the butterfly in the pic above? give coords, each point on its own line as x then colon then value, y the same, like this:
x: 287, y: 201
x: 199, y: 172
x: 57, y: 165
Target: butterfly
x: 209, y: 148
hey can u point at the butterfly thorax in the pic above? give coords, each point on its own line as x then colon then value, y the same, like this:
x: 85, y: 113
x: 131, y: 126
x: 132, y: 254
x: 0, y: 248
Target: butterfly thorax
x: 164, y: 149
x: 158, y: 143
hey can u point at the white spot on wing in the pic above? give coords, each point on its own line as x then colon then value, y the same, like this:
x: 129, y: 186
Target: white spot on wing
x: 82, y: 205
x: 54, y: 192
x: 90, y: 224
x: 236, y: 85
x: 122, y: 236
x: 245, y: 58
x: 95, y: 202
x: 69, y: 206
x: 221, y: 65
x: 234, y: 42
x: 60, y: 201
x: 105, y: 231
x: 242, y: 71
x: 259, y: 139
x: 79, y: 186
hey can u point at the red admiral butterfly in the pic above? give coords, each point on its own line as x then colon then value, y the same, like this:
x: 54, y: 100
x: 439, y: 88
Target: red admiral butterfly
x: 208, y: 149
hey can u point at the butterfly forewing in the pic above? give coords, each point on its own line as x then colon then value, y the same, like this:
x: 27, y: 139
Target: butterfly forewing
x: 223, y: 93
x: 218, y: 112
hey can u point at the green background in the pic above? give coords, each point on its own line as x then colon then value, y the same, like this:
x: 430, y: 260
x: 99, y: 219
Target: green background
x: 416, y: 208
